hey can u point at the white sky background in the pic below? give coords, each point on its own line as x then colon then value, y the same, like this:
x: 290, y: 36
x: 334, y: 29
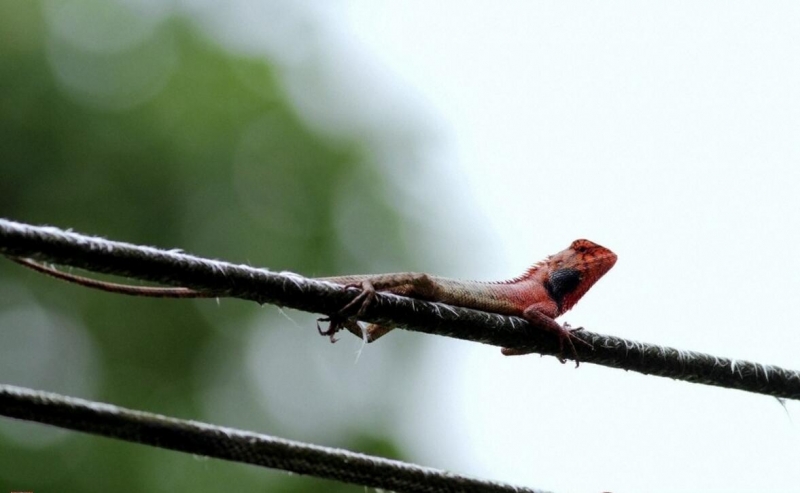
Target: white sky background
x: 667, y: 131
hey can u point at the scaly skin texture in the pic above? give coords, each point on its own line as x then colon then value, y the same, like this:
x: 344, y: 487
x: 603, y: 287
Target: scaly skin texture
x: 542, y: 293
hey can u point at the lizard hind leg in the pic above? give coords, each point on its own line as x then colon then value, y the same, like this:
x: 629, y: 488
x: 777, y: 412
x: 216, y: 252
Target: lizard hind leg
x: 362, y: 301
x: 410, y: 284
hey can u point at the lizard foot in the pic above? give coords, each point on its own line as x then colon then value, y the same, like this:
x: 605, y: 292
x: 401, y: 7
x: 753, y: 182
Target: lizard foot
x: 567, y: 333
x: 566, y: 337
x: 341, y: 320
x: 335, y: 324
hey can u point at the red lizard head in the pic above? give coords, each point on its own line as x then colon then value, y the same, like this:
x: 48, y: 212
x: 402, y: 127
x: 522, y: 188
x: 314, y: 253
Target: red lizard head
x: 571, y: 272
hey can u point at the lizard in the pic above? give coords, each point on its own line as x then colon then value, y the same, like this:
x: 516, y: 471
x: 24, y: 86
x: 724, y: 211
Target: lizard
x: 542, y: 293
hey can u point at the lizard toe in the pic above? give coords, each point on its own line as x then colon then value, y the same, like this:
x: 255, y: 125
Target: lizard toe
x: 334, y: 325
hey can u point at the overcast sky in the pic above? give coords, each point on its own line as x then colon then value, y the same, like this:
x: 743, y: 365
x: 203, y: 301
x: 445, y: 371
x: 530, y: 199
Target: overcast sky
x: 666, y: 131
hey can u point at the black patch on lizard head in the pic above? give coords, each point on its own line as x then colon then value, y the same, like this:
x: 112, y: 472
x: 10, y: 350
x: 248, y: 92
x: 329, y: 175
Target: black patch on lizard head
x: 561, y: 283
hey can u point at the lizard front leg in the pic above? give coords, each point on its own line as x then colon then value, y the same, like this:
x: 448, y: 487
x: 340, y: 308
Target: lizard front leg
x: 536, y: 317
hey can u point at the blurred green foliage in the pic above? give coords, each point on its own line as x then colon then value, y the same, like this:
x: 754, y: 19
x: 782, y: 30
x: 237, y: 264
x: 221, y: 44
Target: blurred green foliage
x: 171, y: 141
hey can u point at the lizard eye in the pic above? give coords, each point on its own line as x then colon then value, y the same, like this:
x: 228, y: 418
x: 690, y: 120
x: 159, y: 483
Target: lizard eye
x: 561, y: 283
x: 581, y: 246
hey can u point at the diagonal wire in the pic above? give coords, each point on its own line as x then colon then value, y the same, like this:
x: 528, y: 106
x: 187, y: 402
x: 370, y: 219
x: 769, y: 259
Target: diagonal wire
x: 236, y: 445
x: 287, y: 289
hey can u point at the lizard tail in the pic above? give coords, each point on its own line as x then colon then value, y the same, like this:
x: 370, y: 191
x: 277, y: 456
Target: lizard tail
x: 112, y: 287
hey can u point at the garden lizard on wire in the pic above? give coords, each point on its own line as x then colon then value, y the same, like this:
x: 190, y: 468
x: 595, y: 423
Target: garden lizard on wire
x: 545, y: 291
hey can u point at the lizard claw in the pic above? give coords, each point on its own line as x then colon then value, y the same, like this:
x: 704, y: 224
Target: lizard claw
x: 334, y: 325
